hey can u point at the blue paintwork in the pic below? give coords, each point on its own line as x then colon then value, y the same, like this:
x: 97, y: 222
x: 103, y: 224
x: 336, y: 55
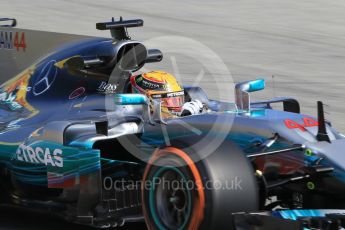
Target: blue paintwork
x: 256, y: 85
x: 130, y: 99
x: 295, y: 214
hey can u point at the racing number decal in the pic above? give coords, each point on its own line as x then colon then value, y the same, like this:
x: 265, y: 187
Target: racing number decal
x: 20, y: 43
x: 8, y: 41
x: 307, y: 122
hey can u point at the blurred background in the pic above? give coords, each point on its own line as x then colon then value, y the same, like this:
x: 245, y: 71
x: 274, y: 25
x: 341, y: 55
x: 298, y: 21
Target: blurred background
x: 300, y: 43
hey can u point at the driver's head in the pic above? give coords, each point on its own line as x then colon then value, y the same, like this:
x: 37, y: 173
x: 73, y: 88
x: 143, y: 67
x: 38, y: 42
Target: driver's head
x: 159, y: 85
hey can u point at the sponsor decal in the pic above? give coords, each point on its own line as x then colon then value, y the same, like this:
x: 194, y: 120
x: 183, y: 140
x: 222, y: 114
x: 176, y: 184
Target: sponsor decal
x: 167, y: 95
x: 138, y: 79
x: 307, y: 122
x: 107, y: 88
x: 46, y: 78
x: 156, y: 96
x: 150, y: 85
x: 77, y: 93
x: 40, y: 155
x: 10, y: 40
x: 147, y: 84
x: 175, y: 94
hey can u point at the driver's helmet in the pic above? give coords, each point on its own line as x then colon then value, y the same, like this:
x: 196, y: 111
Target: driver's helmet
x: 159, y: 85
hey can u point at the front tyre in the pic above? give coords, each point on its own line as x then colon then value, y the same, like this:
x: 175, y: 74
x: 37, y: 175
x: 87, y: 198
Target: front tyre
x: 179, y: 193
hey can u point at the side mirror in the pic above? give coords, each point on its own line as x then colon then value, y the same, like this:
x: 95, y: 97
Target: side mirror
x: 251, y: 86
x: 242, y: 91
x: 154, y: 55
x: 256, y: 85
x: 157, y: 112
x: 74, y: 63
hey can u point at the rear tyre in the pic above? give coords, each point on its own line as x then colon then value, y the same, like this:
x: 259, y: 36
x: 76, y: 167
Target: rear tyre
x: 179, y: 193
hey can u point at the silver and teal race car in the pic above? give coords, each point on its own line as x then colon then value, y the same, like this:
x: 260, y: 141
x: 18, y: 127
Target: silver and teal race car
x: 76, y: 142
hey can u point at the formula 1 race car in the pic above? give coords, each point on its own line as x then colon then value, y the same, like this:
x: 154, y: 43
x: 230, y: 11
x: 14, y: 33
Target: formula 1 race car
x: 76, y: 142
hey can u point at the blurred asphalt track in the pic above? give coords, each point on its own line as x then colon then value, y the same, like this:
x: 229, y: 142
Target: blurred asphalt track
x: 300, y: 42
